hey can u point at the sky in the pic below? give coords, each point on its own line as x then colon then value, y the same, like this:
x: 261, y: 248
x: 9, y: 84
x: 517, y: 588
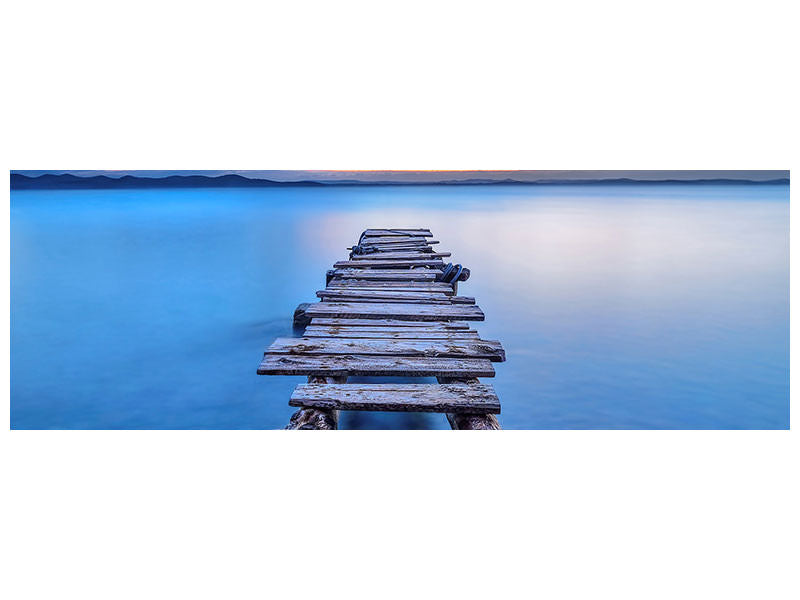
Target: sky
x: 437, y: 176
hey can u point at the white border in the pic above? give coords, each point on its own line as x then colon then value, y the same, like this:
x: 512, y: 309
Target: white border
x: 416, y: 85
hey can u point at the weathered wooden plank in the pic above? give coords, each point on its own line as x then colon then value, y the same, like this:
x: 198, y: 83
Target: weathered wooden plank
x: 337, y: 295
x: 378, y: 366
x: 371, y: 295
x: 355, y: 290
x: 392, y: 323
x: 388, y: 242
x: 380, y: 300
x: 400, y: 256
x: 395, y: 333
x: 385, y: 239
x: 350, y: 295
x: 407, y: 312
x: 457, y: 398
x: 398, y: 232
x: 384, y: 248
x: 317, y: 418
x: 328, y: 346
x: 376, y: 263
x: 406, y: 286
x: 354, y: 298
x: 397, y: 240
x: 385, y: 274
x: 398, y: 248
x: 377, y: 325
x: 457, y: 421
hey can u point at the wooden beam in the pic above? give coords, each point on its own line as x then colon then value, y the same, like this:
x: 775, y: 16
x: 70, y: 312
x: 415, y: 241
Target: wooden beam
x: 408, y: 255
x: 353, y: 298
x: 339, y: 295
x: 328, y: 346
x: 405, y: 286
x: 384, y: 248
x: 393, y: 323
x: 457, y: 398
x: 350, y: 295
x: 408, y: 312
x: 376, y: 263
x: 469, y: 422
x: 385, y: 274
x: 398, y: 232
x: 343, y: 365
x: 317, y: 418
x: 390, y: 241
x: 394, y: 333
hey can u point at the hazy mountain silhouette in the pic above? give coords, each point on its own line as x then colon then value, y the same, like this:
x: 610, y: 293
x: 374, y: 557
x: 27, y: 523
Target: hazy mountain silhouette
x: 68, y: 181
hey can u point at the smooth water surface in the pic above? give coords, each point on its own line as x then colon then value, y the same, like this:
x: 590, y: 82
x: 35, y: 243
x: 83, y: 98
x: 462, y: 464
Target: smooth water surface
x: 620, y: 306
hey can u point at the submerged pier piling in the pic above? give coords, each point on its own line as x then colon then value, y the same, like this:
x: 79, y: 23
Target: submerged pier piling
x: 392, y: 308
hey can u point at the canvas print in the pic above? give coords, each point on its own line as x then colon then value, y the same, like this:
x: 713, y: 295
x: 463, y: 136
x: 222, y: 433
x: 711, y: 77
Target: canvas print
x: 457, y: 300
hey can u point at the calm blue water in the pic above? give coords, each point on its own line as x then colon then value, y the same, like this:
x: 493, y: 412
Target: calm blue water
x: 638, y: 306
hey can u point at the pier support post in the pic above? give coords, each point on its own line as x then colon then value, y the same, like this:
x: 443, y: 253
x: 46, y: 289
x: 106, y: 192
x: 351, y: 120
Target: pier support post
x: 300, y: 319
x: 316, y: 418
x: 473, y: 421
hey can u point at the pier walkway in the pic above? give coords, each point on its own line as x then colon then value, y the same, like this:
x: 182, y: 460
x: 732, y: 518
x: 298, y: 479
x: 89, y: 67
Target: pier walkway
x: 391, y: 309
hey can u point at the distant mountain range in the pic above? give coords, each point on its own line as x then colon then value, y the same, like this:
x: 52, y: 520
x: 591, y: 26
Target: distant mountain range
x: 42, y: 182
x: 67, y: 181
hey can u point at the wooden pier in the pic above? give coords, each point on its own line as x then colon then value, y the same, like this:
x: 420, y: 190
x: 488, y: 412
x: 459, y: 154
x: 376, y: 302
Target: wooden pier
x: 392, y: 308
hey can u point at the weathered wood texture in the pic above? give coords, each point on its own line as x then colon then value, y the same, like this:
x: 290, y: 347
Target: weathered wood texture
x: 457, y: 398
x: 408, y: 312
x: 340, y: 295
x: 385, y: 274
x: 375, y: 263
x: 343, y: 365
x: 400, y: 256
x: 450, y: 348
x: 313, y: 418
x: 350, y: 298
x: 394, y: 333
x: 473, y: 422
x: 393, y: 241
x: 383, y: 313
x: 462, y: 299
x: 469, y: 422
x: 398, y: 232
x: 317, y: 418
x: 350, y: 295
x: 400, y: 286
x: 344, y: 323
x: 388, y: 248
